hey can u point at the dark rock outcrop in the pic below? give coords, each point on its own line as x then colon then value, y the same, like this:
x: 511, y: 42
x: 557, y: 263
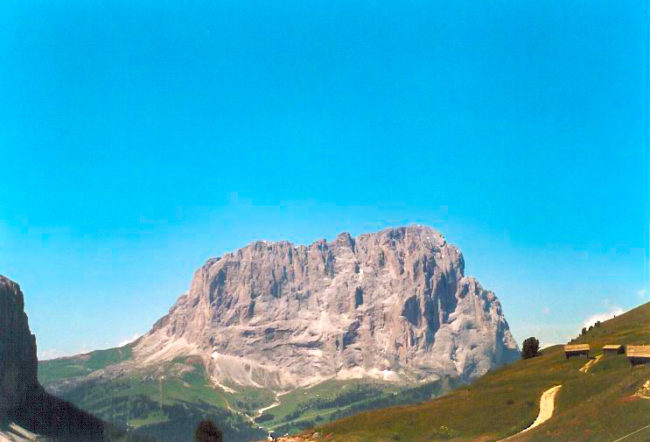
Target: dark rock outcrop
x: 18, y: 363
x: 23, y: 402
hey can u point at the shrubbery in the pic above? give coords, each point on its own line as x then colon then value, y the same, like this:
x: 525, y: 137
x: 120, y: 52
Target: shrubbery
x: 530, y: 348
x: 207, y: 431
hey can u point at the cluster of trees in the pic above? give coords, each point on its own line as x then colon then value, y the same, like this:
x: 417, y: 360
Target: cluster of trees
x: 357, y: 393
x: 357, y: 400
x: 406, y: 396
x: 251, y: 401
x: 591, y: 327
x: 295, y: 426
x: 264, y: 418
x: 183, y: 419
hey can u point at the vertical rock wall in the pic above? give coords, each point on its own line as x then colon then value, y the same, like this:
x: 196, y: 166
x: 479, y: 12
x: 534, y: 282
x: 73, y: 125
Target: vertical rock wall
x: 18, y: 363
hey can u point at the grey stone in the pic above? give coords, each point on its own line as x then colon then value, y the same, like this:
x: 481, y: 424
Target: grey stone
x: 393, y: 305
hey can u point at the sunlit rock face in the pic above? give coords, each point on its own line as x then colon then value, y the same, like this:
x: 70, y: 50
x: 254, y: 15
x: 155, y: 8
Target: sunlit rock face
x: 18, y: 363
x: 393, y: 305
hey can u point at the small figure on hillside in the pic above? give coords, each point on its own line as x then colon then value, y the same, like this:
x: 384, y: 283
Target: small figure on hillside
x: 207, y: 431
x: 530, y: 348
x: 272, y: 437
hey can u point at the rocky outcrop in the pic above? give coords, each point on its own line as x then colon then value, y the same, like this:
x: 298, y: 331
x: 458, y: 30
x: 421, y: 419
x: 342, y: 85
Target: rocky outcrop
x: 18, y: 363
x: 394, y: 305
x: 27, y: 411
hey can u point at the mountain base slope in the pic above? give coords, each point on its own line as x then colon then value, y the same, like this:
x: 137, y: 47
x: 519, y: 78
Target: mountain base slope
x: 600, y: 404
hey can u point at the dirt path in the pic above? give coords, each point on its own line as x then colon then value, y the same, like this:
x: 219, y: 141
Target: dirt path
x: 547, y: 401
x: 273, y: 405
x: 644, y: 391
x: 241, y: 413
x: 257, y: 414
x: 585, y: 368
x: 546, y: 408
x: 632, y: 433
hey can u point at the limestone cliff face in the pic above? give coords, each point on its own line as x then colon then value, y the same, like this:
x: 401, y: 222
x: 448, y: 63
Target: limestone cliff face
x: 393, y: 305
x: 18, y: 363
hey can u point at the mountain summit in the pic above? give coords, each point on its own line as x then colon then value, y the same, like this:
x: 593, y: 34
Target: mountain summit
x: 393, y: 305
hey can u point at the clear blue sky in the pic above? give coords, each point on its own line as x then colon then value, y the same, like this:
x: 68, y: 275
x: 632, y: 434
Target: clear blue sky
x: 138, y: 139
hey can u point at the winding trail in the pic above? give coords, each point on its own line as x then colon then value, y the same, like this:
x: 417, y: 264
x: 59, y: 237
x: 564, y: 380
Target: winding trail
x: 585, y: 368
x: 257, y: 414
x: 273, y: 405
x: 546, y: 408
x: 547, y: 401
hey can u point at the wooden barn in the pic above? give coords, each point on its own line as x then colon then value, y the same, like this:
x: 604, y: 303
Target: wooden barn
x: 613, y: 349
x: 571, y: 350
x: 638, y: 354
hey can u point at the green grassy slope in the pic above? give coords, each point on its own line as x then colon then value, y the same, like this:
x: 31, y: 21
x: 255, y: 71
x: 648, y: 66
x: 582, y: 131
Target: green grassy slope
x: 306, y: 407
x: 64, y: 368
x: 599, y: 405
x: 166, y: 401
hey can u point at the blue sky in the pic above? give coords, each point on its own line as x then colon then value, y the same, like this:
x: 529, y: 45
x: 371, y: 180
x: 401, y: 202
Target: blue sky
x: 138, y: 140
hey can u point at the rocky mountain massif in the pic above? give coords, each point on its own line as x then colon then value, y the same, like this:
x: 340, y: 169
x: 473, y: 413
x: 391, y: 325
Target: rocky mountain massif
x: 282, y: 337
x: 393, y: 305
x: 26, y: 410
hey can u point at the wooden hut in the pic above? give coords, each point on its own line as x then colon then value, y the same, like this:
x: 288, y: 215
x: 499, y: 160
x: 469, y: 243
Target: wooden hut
x: 613, y: 349
x: 638, y: 354
x: 571, y: 350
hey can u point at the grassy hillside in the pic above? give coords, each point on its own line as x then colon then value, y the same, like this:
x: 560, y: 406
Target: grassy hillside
x: 167, y: 401
x: 306, y: 407
x: 599, y: 405
x: 64, y: 368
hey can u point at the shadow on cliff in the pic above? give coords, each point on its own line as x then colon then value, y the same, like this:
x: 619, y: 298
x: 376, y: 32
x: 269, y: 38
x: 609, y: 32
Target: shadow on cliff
x: 52, y: 418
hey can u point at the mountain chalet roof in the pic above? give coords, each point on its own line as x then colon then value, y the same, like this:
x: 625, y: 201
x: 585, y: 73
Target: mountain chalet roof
x: 570, y: 348
x: 613, y: 347
x: 638, y: 351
